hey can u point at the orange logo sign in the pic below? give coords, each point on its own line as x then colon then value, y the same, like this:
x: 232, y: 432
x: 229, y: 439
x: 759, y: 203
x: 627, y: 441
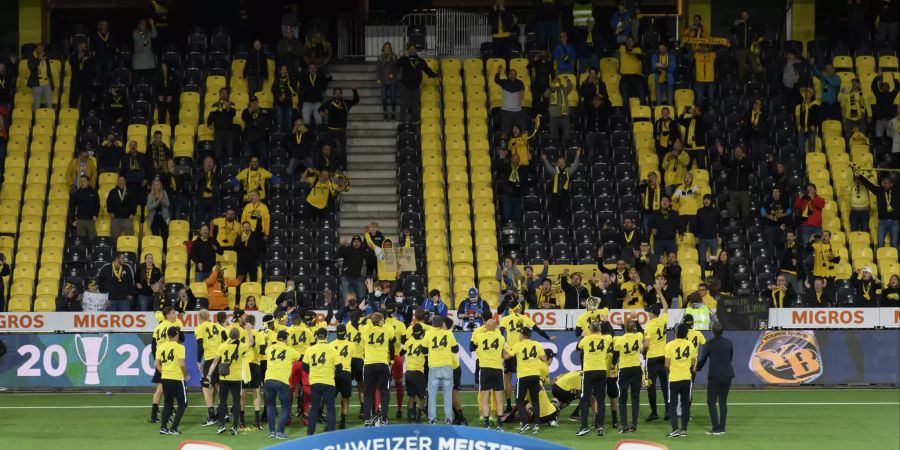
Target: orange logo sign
x: 787, y: 357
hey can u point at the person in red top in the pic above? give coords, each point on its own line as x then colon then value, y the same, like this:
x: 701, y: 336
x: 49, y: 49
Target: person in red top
x: 810, y: 207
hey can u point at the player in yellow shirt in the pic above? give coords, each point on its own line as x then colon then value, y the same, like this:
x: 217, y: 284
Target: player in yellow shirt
x: 594, y: 348
x: 681, y: 358
x: 510, y: 325
x: 256, y: 375
x: 321, y: 361
x: 489, y: 345
x: 281, y: 357
x: 593, y: 313
x: 567, y: 389
x: 209, y: 334
x: 272, y: 324
x: 655, y: 347
x: 390, y: 307
x: 529, y: 358
x: 229, y: 362
x: 169, y: 361
x: 695, y: 337
x: 612, y: 376
x: 628, y: 347
x: 343, y: 381
x: 356, y: 356
x: 441, y: 347
x: 378, y: 342
x: 416, y: 384
x: 167, y: 319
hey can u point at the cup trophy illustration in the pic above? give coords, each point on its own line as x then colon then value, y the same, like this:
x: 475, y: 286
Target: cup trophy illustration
x: 91, y: 351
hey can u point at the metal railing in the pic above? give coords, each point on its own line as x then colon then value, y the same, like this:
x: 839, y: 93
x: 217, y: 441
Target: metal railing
x: 446, y: 33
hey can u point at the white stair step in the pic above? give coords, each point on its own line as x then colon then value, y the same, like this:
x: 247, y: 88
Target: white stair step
x: 372, y: 133
x: 368, y: 207
x: 372, y: 175
x: 364, y: 124
x: 365, y: 196
x: 343, y: 78
x: 354, y: 158
x: 372, y: 141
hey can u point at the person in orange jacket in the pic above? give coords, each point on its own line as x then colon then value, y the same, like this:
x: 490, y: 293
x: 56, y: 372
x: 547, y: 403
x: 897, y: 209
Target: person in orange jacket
x: 217, y: 288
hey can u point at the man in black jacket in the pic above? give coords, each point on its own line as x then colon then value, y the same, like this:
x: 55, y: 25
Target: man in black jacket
x: 221, y: 119
x: 203, y: 254
x: 85, y: 203
x: 81, y: 71
x: 110, y: 154
x: 884, y: 108
x: 257, y: 122
x: 707, y: 230
x: 694, y: 136
x: 719, y: 351
x: 117, y: 280
x: 740, y: 172
x: 207, y: 184
x: 502, y: 27
x: 4, y: 272
x: 40, y: 79
x: 312, y: 90
x: 256, y: 68
x: 630, y: 238
x: 576, y: 293
x: 512, y: 92
x: 411, y: 68
x: 888, y: 198
x: 664, y: 228
x: 352, y: 258
x: 606, y: 291
x: 121, y: 206
x: 7, y: 85
x: 775, y: 214
x: 337, y: 111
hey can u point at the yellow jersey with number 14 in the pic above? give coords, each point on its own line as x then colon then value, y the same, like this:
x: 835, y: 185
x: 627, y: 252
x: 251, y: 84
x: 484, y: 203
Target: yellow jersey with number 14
x: 629, y: 347
x: 680, y: 354
x: 169, y: 354
x: 655, y: 331
x: 489, y: 348
x: 594, y: 348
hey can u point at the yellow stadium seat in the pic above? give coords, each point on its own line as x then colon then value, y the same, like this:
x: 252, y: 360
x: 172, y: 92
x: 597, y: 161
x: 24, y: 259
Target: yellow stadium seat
x: 45, y: 303
x: 127, y: 244
x: 436, y: 254
x: 26, y: 288
x: 20, y: 303
x: 886, y: 254
x: 889, y: 269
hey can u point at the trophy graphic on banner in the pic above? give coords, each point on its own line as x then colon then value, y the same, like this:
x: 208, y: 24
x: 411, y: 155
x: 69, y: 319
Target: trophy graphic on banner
x: 91, y: 351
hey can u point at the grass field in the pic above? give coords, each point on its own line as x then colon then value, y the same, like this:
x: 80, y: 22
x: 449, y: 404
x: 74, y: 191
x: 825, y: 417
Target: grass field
x: 812, y: 418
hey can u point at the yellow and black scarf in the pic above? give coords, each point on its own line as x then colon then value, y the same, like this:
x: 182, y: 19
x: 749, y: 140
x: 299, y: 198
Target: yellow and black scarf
x: 651, y: 198
x: 117, y: 272
x: 514, y: 175
x: 778, y: 295
x: 662, y: 71
x: 564, y: 174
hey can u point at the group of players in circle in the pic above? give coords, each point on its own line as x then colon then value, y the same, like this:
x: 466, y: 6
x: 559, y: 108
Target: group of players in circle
x: 282, y: 360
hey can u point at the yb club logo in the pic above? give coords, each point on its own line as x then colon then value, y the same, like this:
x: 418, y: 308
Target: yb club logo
x: 787, y: 357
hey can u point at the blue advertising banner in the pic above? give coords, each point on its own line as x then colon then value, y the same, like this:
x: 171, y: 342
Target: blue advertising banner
x: 122, y: 360
x: 418, y: 437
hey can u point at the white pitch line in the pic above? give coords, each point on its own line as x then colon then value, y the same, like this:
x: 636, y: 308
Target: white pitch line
x: 471, y: 405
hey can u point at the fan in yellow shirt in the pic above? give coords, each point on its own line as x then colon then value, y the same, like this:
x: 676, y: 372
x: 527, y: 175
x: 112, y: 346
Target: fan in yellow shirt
x: 230, y: 358
x: 226, y: 229
x: 681, y: 358
x: 321, y: 361
x: 253, y: 178
x: 169, y: 361
x: 280, y: 362
x: 322, y: 188
x: 629, y: 347
x: 655, y: 348
x: 489, y: 346
x: 256, y: 210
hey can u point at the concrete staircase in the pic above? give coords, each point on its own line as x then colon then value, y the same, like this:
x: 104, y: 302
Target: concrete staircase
x: 371, y: 152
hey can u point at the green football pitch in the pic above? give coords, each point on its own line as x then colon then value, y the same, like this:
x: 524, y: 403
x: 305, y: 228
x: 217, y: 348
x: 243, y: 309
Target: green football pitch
x: 811, y: 418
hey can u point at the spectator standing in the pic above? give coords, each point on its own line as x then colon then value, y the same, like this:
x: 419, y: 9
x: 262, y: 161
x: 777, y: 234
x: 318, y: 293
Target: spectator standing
x: 664, y: 227
x: 576, y: 293
x: 134, y: 169
x: 675, y: 165
x: 695, y: 29
x: 884, y: 109
x: 300, y: 147
x: 588, y: 41
x: 116, y: 106
x: 143, y: 61
x: 221, y: 119
x: 663, y: 64
x: 158, y: 155
x: 831, y: 85
x: 121, y: 206
x: 596, y: 120
x: 820, y: 296
x: 781, y: 293
x: 81, y: 72
x: 704, y: 76
x: 502, y: 26
x: 83, y: 165
x: 207, y: 185
x: 740, y: 176
x: 411, y: 68
x: 507, y: 273
x: 318, y: 51
x: 8, y: 72
x: 665, y: 131
x: 312, y: 90
x: 707, y: 230
x: 719, y: 351
x: 744, y: 32
x: 257, y: 124
x: 103, y: 49
x: 116, y: 279
x: 756, y: 128
x: 323, y: 191
x: 541, y: 70
x: 806, y: 117
x: 866, y: 286
x: 513, y: 179
x: 203, y: 254
x: 789, y: 261
x: 621, y: 22
x: 226, y: 229
x: 547, y: 17
x: 890, y: 295
x: 632, y: 82
x: 790, y: 76
x: 386, y: 72
x: 352, y: 258
x: 582, y: 10
x: 859, y: 207
x: 888, y: 200
x: 558, y: 107
x: 217, y: 287
x: 512, y: 92
x: 338, y: 111
x: 564, y: 55
x: 693, y: 131
x: 147, y: 283
x: 560, y: 176
x: 687, y: 199
x: 592, y: 87
x: 256, y: 213
x: 651, y: 192
x: 69, y: 300
x: 249, y: 247
x: 158, y: 213
x: 253, y: 179
x: 289, y: 51
x: 256, y: 69
x: 40, y: 78
x: 775, y: 214
x: 518, y: 142
x: 825, y: 256
x: 887, y: 21
x: 809, y: 206
x: 85, y: 203
x: 855, y: 109
x: 284, y: 88
x: 168, y: 89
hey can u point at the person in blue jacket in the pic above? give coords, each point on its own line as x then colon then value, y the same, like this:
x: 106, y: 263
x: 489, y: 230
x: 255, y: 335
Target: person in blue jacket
x: 663, y: 65
x: 471, y: 310
x: 831, y: 86
x: 434, y: 304
x: 564, y: 55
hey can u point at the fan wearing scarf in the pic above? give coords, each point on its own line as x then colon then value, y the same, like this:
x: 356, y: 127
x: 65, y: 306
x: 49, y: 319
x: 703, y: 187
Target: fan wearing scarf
x: 117, y: 281
x: 337, y: 112
x: 560, y: 175
x: 323, y: 190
